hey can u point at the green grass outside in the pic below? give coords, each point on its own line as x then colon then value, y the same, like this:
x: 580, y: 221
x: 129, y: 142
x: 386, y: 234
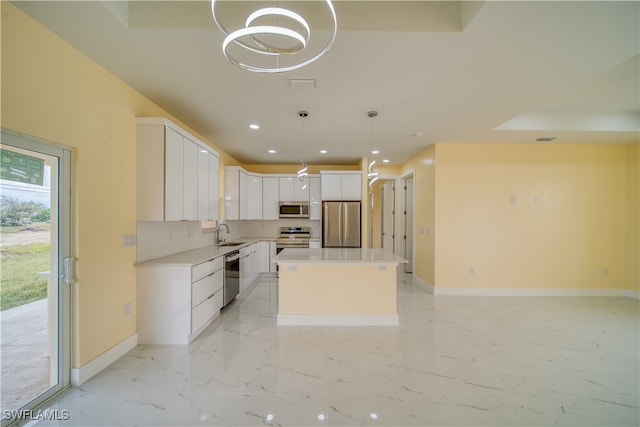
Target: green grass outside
x: 19, y: 266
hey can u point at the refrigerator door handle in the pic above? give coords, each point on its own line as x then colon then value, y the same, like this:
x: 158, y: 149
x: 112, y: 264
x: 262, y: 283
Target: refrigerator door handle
x: 340, y: 232
x: 325, y: 229
x: 345, y: 221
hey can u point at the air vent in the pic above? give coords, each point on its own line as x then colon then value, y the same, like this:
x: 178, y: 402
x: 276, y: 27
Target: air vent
x: 546, y: 138
x: 302, y: 83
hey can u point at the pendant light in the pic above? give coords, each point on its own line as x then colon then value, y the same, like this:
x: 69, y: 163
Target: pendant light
x: 252, y: 38
x: 372, y: 175
x: 302, y: 173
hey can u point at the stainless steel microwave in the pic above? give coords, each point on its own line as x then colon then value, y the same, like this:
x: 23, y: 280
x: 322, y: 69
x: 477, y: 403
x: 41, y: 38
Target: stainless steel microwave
x: 294, y: 210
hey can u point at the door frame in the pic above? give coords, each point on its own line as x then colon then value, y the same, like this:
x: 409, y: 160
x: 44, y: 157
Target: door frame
x: 64, y: 154
x: 401, y: 219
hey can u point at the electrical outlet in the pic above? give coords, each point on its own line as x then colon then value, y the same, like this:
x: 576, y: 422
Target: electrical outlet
x: 127, y: 309
x: 514, y: 200
x: 293, y: 268
x: 605, y: 272
x: 536, y: 200
x: 382, y: 268
x: 472, y: 271
x: 128, y: 240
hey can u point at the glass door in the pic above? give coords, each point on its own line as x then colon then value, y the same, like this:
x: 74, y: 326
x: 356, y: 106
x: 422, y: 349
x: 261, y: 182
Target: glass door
x: 35, y: 287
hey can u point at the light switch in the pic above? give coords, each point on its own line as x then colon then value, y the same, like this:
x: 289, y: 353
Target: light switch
x: 128, y: 240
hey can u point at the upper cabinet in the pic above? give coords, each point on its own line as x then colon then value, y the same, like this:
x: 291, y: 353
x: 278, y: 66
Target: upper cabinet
x: 341, y: 185
x: 256, y: 196
x: 270, y: 197
x: 177, y: 175
x: 291, y: 189
x: 315, y: 198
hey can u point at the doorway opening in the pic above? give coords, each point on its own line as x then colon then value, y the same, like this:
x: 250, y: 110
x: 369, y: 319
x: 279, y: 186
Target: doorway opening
x: 35, y: 241
x: 405, y: 205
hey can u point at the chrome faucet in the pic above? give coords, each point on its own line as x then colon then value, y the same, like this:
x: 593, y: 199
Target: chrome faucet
x: 217, y: 230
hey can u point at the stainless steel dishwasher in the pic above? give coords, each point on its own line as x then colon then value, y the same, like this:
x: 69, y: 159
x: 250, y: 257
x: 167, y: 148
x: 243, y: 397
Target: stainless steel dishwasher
x: 231, y: 277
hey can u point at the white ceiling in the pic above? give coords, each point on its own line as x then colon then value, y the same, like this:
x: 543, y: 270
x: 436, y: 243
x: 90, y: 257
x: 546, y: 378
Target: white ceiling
x: 450, y: 71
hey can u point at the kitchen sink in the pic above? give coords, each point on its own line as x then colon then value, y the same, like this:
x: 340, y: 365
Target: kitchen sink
x: 230, y: 244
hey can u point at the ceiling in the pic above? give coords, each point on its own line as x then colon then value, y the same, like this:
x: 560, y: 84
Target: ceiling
x: 437, y: 72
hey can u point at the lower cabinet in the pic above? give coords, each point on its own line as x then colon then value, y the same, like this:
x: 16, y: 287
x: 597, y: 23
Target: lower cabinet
x: 249, y: 265
x: 176, y: 302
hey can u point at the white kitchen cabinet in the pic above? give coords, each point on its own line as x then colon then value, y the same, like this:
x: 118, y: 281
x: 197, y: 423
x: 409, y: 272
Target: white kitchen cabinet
x: 270, y: 192
x: 190, y: 181
x: 331, y: 185
x: 265, y: 257
x: 168, y: 172
x: 273, y: 250
x: 243, y: 194
x: 174, y: 176
x: 290, y: 189
x: 253, y: 196
x: 207, y: 185
x: 345, y: 185
x: 300, y: 194
x: 315, y: 198
x: 232, y: 192
x: 244, y: 200
x: 176, y: 302
x: 286, y: 189
x: 249, y: 265
x: 214, y: 183
x: 203, y: 184
x: 352, y: 186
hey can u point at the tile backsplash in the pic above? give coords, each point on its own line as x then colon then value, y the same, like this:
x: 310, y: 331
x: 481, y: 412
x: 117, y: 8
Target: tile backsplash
x: 157, y: 239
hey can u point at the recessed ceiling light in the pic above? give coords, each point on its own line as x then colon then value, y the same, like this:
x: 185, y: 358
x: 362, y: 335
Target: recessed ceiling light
x: 385, y: 161
x: 254, y: 126
x: 323, y: 151
x: 375, y: 151
x: 272, y: 151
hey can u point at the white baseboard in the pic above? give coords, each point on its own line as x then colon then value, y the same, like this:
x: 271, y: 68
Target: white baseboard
x: 633, y: 294
x: 81, y: 375
x: 530, y: 292
x: 424, y: 284
x: 338, y: 320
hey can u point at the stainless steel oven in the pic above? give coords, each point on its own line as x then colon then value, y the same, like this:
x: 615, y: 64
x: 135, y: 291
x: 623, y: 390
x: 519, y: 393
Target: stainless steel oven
x: 294, y: 210
x: 293, y: 237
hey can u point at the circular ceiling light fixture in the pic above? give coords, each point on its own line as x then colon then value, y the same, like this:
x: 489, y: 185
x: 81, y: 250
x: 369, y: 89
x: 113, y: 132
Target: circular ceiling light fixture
x: 291, y: 40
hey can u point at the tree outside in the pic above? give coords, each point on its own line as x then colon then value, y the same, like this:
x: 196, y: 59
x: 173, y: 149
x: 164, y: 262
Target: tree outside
x: 24, y: 251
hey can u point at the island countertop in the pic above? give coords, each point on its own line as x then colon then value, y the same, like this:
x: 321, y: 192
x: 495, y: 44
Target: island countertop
x: 338, y: 255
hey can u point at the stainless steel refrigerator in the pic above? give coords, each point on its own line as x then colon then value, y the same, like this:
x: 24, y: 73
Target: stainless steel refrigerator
x: 340, y: 224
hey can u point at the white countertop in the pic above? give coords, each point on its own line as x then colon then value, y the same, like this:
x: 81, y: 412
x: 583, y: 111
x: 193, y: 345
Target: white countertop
x: 200, y: 255
x: 338, y: 255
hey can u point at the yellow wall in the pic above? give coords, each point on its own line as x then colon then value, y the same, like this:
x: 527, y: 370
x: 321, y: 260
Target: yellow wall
x: 578, y: 228
x: 634, y: 217
x: 55, y: 93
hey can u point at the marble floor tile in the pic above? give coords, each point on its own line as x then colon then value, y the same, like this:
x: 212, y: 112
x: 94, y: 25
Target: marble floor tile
x: 452, y: 361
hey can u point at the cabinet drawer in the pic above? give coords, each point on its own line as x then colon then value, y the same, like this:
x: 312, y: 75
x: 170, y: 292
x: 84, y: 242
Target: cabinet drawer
x: 206, y: 268
x: 205, y: 287
x: 207, y: 309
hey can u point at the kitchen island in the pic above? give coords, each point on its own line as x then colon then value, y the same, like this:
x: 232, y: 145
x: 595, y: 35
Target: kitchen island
x: 337, y: 287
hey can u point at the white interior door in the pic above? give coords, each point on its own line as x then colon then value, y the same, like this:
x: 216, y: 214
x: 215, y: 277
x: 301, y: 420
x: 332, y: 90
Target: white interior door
x: 387, y: 208
x: 408, y: 220
x: 35, y: 319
